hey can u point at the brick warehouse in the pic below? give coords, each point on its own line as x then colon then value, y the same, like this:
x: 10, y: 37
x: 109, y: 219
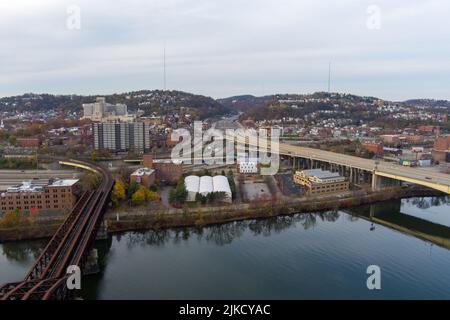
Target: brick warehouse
x: 56, y: 196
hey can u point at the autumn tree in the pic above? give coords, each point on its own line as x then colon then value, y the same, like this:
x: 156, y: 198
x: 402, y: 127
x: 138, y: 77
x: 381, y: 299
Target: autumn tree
x: 118, y: 192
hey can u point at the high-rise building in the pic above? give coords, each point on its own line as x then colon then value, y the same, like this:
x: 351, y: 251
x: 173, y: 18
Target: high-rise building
x: 100, y: 110
x: 122, y: 136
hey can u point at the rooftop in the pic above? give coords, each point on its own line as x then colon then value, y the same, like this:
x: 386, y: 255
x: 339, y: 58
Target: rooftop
x: 321, y: 174
x: 29, y: 186
x: 143, y: 172
x: 62, y: 182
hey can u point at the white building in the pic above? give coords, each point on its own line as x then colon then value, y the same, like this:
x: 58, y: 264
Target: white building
x: 192, y: 184
x: 248, y: 167
x: 100, y: 110
x: 247, y: 163
x: 206, y: 185
x: 221, y: 184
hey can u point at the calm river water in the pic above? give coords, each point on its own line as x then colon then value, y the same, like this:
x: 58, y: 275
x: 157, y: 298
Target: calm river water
x: 305, y: 256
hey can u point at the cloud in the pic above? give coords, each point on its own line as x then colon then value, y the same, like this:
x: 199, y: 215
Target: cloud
x: 221, y: 48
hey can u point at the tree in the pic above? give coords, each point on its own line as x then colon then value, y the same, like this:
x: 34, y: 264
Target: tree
x: 12, y: 139
x: 94, y: 155
x: 89, y: 181
x: 132, y: 188
x: 139, y: 197
x: 143, y: 195
x: 10, y: 219
x: 178, y: 194
x: 118, y: 192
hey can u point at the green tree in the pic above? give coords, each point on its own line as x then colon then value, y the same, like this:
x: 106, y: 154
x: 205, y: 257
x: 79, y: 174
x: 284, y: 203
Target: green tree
x: 12, y: 139
x: 178, y: 194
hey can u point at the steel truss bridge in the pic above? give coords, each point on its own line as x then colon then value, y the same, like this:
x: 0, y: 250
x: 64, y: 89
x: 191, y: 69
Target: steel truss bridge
x: 70, y: 245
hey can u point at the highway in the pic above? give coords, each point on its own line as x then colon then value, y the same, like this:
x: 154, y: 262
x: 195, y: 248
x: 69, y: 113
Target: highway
x: 387, y: 169
x: 421, y: 176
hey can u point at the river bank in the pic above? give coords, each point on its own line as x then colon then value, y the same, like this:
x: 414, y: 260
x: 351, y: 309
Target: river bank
x: 144, y: 218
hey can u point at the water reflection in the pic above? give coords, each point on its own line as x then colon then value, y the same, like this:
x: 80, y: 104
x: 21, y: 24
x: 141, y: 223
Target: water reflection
x: 427, y: 202
x: 22, y: 251
x: 223, y: 234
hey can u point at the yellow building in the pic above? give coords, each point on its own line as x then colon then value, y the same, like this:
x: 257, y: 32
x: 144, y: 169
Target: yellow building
x: 318, y: 181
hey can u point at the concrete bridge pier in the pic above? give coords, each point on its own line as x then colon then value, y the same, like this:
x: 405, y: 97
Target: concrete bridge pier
x: 91, y: 265
x: 378, y: 182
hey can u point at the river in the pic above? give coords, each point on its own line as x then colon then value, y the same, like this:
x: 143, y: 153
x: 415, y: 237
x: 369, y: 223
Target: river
x: 306, y: 256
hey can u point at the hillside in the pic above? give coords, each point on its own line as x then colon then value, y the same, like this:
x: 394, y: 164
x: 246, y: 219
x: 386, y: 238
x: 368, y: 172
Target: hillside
x: 150, y: 101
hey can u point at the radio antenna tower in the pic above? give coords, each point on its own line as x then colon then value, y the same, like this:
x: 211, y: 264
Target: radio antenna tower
x: 164, y: 66
x: 329, y: 77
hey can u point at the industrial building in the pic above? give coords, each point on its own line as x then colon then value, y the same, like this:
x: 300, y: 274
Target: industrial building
x: 206, y: 185
x: 56, y: 196
x: 318, y: 181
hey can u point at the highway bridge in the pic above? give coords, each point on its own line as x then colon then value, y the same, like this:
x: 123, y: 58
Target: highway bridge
x: 356, y: 167
x: 71, y: 244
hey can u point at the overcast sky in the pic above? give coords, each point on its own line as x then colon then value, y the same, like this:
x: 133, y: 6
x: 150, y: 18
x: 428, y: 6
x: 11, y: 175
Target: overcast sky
x: 390, y: 49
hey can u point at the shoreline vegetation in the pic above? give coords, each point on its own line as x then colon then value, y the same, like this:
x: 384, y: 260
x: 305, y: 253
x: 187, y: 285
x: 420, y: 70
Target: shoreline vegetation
x: 122, y: 219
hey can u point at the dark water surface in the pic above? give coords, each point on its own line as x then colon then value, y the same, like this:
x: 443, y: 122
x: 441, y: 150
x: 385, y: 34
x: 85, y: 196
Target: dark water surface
x: 305, y: 256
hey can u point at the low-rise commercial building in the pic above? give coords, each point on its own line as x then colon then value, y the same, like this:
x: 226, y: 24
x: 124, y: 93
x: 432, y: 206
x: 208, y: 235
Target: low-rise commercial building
x: 318, y: 181
x: 56, y: 196
x: 143, y: 176
x: 168, y: 171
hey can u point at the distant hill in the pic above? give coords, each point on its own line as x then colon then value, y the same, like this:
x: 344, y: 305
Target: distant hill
x: 429, y: 103
x: 150, y: 101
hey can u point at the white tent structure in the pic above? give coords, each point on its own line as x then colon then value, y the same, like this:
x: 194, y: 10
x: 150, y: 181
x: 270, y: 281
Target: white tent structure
x: 192, y: 184
x: 206, y: 185
x: 220, y: 184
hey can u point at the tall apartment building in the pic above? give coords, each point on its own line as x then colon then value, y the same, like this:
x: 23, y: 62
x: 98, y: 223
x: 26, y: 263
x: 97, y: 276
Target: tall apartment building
x: 121, y: 136
x: 57, y: 195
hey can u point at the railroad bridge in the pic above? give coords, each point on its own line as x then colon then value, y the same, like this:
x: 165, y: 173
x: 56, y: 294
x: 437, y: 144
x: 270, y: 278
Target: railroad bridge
x: 71, y: 244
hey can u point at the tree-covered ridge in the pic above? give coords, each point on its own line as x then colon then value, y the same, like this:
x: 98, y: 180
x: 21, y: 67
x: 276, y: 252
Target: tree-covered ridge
x: 150, y: 101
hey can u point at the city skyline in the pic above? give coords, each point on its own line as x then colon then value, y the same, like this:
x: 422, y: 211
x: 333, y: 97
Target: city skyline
x: 220, y: 49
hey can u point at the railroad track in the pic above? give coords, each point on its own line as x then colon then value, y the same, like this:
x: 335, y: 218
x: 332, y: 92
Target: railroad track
x: 70, y: 245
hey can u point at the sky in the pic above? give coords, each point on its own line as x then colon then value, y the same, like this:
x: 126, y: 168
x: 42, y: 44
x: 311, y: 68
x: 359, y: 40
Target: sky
x: 394, y: 50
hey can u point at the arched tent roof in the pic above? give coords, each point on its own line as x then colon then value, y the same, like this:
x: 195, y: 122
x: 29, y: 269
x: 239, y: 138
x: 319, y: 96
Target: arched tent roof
x: 206, y: 185
x: 192, y: 183
x: 220, y: 184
